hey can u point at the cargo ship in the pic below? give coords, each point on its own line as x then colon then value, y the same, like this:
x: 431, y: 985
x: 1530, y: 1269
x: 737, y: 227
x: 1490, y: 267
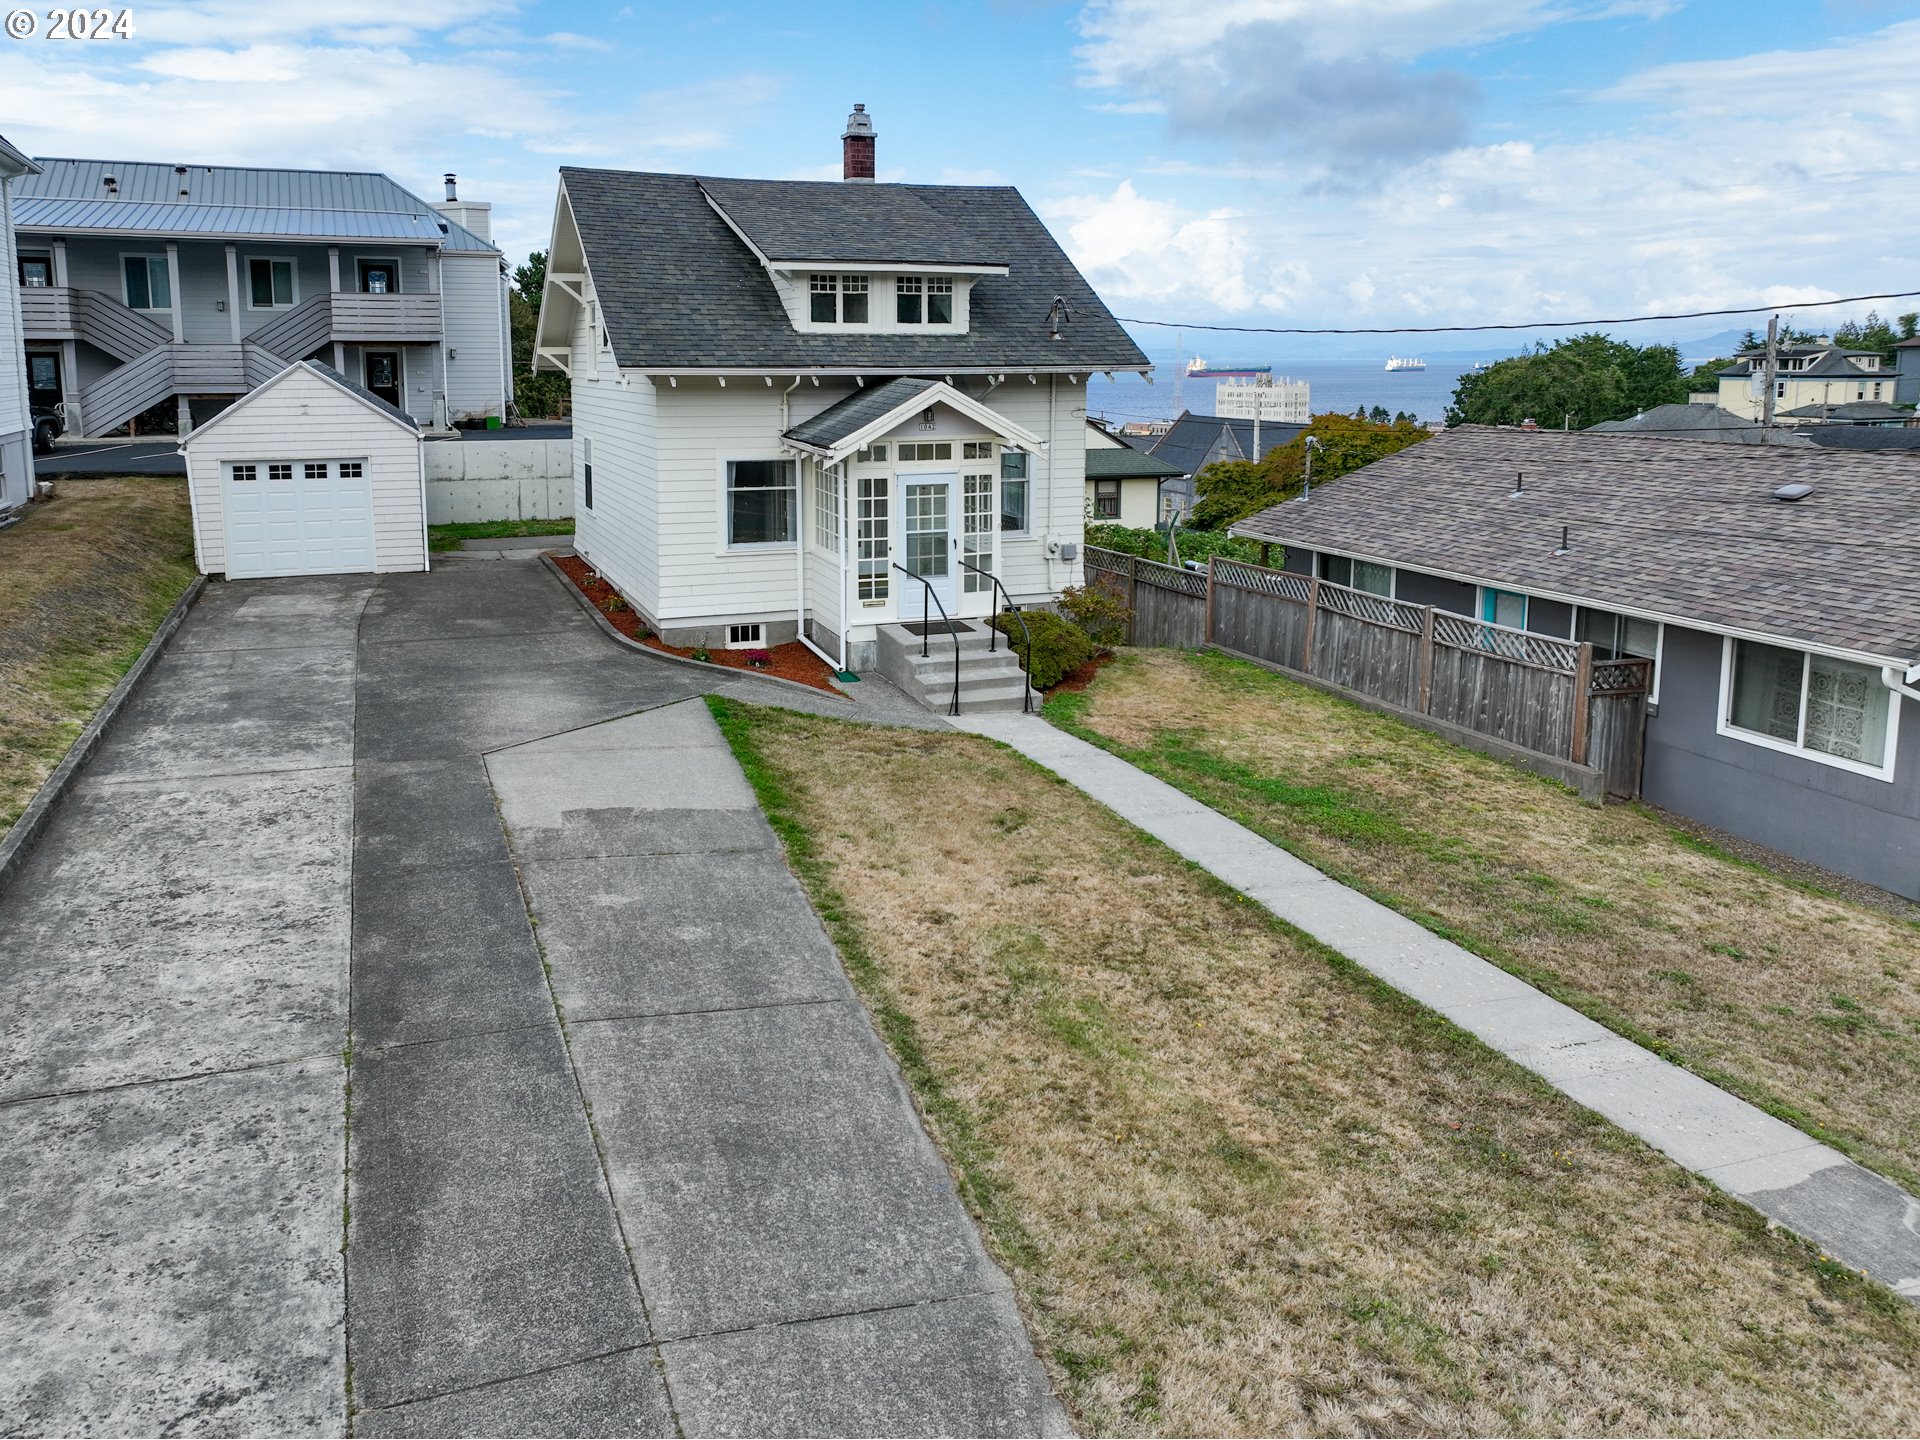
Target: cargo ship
x: 1405, y: 362
x: 1198, y: 369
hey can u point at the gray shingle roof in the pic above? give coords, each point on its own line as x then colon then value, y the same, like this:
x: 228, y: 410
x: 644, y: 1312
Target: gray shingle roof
x: 1856, y: 410
x: 1126, y: 463
x: 1674, y: 528
x: 1699, y: 422
x: 1862, y: 437
x: 857, y: 411
x: 1197, y: 440
x: 678, y: 289
x: 231, y: 200
x: 831, y: 220
x: 1829, y: 363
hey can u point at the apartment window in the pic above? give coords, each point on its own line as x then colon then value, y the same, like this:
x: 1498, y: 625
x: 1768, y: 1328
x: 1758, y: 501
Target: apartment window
x: 826, y: 299
x: 1106, y: 499
x: 826, y: 511
x: 148, y: 287
x: 1357, y: 574
x: 1815, y: 704
x: 36, y: 271
x: 907, y: 308
x: 939, y: 302
x: 1014, y: 481
x: 926, y: 450
x: 270, y: 283
x: 976, y: 450
x: 760, y: 502
x: 870, y: 535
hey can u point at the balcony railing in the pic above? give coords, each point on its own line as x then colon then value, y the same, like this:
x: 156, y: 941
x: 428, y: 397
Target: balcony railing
x: 65, y: 312
x: 349, y: 317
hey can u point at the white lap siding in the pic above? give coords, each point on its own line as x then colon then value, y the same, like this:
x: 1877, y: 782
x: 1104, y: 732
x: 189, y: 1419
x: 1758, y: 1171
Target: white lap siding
x: 1057, y: 494
x: 471, y: 298
x: 613, y: 430
x: 304, y: 417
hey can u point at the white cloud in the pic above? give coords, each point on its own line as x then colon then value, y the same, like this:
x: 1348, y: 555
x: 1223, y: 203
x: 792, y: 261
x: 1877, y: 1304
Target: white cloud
x: 1135, y: 248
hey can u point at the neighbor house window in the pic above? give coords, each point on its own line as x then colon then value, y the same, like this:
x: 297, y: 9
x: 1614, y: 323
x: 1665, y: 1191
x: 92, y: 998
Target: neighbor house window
x: 1106, y: 499
x: 1616, y: 637
x: 148, y: 287
x: 1014, y: 481
x: 760, y: 502
x: 1812, y: 703
x: 1357, y: 574
x: 1503, y: 607
x: 270, y: 283
x: 870, y: 521
x: 36, y: 271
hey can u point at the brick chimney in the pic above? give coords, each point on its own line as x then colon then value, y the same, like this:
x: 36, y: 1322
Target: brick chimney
x: 856, y: 148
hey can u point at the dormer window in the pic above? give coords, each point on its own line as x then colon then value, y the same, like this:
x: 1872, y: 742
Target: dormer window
x: 928, y: 301
x: 840, y: 299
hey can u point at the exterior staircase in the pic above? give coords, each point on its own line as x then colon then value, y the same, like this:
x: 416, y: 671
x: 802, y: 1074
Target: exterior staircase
x: 989, y: 679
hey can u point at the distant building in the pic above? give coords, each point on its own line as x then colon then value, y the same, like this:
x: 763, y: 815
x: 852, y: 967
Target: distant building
x: 1123, y: 483
x: 1194, y: 442
x: 1807, y: 379
x: 1263, y: 397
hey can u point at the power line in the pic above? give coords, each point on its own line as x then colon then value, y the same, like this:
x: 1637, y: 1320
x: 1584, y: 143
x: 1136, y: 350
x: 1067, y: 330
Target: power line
x: 1524, y: 325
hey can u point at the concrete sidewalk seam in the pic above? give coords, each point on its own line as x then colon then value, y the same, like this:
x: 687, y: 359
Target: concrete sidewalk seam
x: 992, y: 1292
x: 707, y: 1010
x: 432, y: 1395
x: 184, y: 1078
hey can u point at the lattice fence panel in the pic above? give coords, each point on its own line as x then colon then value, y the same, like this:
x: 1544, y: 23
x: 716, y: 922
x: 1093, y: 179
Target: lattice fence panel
x: 1621, y: 677
x: 1170, y: 577
x: 1261, y: 581
x: 1110, y: 561
x: 1522, y: 646
x: 1376, y: 609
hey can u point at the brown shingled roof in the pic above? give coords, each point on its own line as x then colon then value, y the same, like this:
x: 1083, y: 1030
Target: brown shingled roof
x: 1677, y: 529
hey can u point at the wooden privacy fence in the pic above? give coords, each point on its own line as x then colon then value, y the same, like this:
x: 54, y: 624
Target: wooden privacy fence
x: 1536, y: 692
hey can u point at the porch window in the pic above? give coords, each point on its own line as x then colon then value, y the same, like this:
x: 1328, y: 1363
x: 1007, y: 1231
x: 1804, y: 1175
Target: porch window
x: 926, y: 450
x: 1106, y: 499
x: 870, y: 522
x: 760, y: 502
x: 976, y: 531
x: 1014, y: 516
x: 270, y: 283
x: 148, y: 287
x: 1812, y: 703
x: 826, y: 510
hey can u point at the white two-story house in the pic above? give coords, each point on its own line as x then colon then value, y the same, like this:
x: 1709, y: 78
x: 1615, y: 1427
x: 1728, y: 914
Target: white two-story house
x: 814, y: 409
x: 153, y: 295
x: 16, y: 420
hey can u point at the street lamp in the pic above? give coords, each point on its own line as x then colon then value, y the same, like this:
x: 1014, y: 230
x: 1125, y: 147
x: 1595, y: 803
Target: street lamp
x: 1313, y: 444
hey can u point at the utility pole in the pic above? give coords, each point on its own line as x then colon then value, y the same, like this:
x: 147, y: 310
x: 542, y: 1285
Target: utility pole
x: 1773, y: 344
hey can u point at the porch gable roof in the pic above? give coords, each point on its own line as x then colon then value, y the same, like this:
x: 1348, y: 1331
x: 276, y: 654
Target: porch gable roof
x: 847, y: 425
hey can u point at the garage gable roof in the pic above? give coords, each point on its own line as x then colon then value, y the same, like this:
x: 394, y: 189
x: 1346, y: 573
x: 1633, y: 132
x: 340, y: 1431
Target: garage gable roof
x: 325, y: 372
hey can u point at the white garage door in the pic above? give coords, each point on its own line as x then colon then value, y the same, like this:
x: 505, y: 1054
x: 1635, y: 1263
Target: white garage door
x: 298, y: 517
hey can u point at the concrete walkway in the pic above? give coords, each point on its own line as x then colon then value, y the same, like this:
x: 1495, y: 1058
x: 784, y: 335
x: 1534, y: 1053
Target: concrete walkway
x: 1852, y: 1214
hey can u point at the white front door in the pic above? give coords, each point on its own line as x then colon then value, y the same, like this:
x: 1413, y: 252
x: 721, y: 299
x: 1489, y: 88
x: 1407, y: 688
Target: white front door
x: 297, y: 517
x: 928, y: 546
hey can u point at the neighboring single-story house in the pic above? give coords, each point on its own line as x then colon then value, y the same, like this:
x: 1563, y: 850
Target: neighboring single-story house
x: 1773, y: 587
x: 807, y: 409
x: 16, y: 417
x: 308, y: 474
x: 1194, y: 442
x: 1123, y: 481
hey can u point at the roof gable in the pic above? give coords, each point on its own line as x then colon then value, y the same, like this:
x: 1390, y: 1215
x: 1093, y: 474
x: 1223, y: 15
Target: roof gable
x: 849, y: 424
x: 679, y: 290
x: 324, y: 373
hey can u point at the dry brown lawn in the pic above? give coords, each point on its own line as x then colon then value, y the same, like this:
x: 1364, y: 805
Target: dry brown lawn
x: 1244, y: 1190
x: 1806, y: 1004
x: 85, y: 580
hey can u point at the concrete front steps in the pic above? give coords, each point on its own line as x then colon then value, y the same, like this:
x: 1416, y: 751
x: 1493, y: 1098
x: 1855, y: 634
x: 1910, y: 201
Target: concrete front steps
x: 990, y: 680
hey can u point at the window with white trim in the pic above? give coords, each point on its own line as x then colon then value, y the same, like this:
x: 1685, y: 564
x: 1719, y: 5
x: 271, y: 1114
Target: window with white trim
x: 923, y: 300
x: 976, y: 530
x: 871, y: 453
x: 826, y: 299
x: 1014, y: 516
x: 760, y: 502
x: 742, y: 637
x: 149, y: 287
x: 870, y: 533
x: 269, y: 283
x: 351, y: 470
x: 926, y: 450
x: 840, y: 299
x: 826, y: 510
x: 1815, y: 704
x: 939, y: 300
x: 907, y: 308
x: 245, y: 474
x: 976, y: 450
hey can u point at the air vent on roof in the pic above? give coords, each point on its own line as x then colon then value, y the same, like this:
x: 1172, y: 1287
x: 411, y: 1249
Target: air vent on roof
x: 1798, y: 490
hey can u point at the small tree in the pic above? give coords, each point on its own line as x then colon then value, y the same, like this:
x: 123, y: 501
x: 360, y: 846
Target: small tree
x: 1232, y: 490
x: 544, y: 392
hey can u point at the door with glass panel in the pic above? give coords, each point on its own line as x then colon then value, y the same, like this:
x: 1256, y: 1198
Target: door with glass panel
x: 928, y: 546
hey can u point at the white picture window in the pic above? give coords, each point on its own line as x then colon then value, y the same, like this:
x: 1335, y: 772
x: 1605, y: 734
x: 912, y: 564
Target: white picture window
x: 1828, y: 709
x: 269, y: 283
x: 760, y: 502
x: 870, y: 533
x: 148, y: 285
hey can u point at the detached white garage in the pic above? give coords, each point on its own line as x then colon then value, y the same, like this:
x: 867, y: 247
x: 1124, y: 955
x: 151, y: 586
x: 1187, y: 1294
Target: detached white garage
x: 307, y: 475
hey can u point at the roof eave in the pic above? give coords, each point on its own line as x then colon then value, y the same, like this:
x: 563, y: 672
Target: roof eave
x: 854, y: 372
x: 936, y: 267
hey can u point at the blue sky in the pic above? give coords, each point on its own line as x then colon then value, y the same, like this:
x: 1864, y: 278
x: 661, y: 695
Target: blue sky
x: 1308, y: 162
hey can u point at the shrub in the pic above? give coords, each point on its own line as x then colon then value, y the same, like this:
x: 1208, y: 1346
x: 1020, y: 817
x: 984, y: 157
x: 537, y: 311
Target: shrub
x: 1098, y: 611
x: 759, y: 659
x: 613, y: 604
x: 1059, y: 646
x: 1152, y: 544
x: 702, y: 654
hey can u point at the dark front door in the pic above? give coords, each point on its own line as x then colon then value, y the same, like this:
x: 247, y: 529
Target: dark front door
x: 43, y: 381
x: 383, y: 375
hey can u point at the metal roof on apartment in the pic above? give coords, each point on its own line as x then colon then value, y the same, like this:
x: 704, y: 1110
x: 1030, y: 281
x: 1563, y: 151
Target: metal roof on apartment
x: 678, y: 289
x: 1672, y: 529
x: 15, y: 162
x: 225, y: 200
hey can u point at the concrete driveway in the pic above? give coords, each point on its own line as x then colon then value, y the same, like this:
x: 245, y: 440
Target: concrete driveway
x: 303, y: 1127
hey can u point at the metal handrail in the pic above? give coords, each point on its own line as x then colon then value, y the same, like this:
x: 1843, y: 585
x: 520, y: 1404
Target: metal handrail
x: 926, y: 625
x: 1026, y: 663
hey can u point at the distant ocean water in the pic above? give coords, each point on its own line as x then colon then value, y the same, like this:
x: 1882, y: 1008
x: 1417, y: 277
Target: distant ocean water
x: 1424, y: 393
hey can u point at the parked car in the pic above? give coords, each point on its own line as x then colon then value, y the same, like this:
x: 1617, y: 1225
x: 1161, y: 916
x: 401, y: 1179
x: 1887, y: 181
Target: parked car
x: 48, y: 426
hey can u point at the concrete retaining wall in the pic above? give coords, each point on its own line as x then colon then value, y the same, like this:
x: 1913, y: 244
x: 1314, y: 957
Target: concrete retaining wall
x: 499, y: 480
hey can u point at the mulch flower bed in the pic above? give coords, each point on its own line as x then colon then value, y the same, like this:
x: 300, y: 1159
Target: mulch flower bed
x: 792, y: 661
x: 1083, y: 677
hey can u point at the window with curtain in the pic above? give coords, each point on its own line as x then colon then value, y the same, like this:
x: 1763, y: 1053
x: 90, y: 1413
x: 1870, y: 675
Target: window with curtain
x: 270, y: 283
x: 1106, y: 499
x: 1811, y: 702
x: 760, y: 502
x: 148, y: 287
